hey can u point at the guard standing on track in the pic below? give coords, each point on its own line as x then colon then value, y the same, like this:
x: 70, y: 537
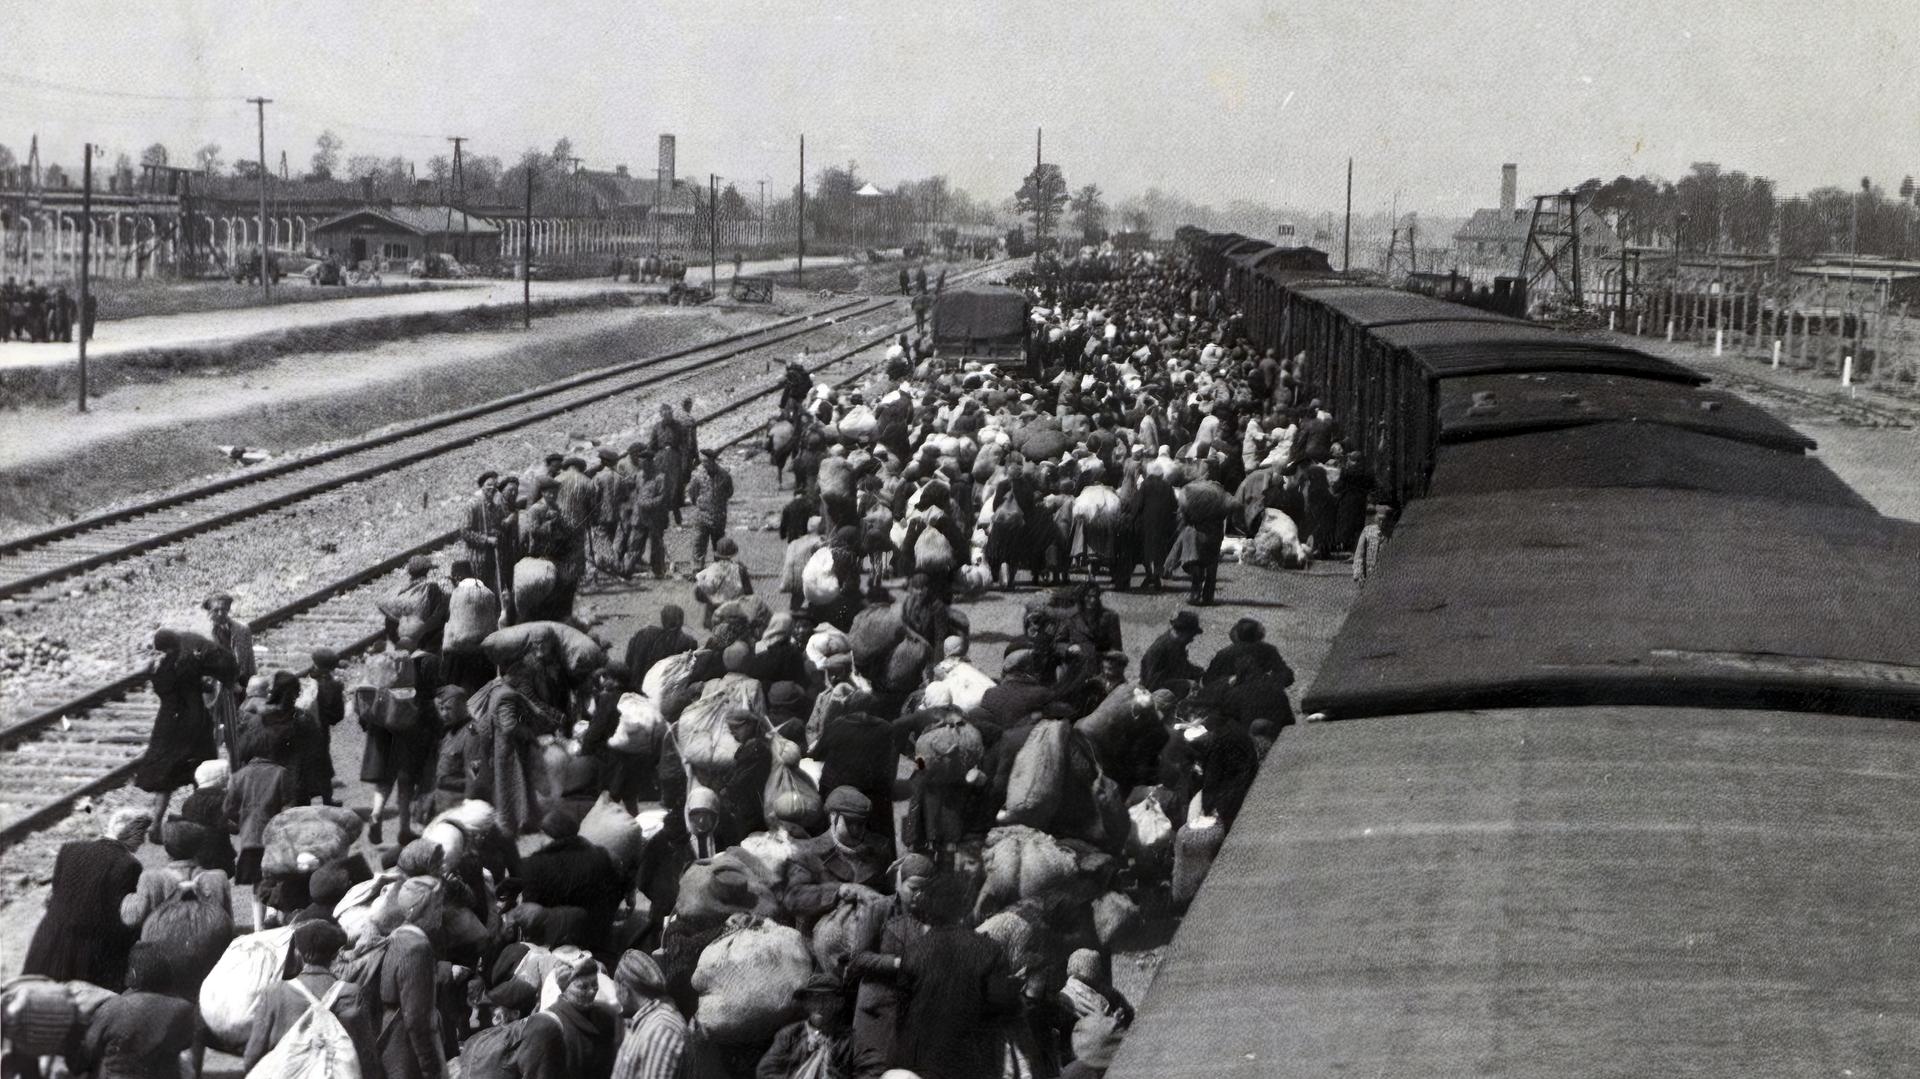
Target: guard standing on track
x: 710, y: 490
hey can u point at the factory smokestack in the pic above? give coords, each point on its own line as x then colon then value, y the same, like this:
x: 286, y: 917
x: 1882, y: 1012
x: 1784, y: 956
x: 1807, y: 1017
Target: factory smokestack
x: 1509, y: 188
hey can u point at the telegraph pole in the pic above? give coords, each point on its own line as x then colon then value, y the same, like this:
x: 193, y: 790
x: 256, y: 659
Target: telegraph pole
x: 459, y: 173
x: 86, y: 264
x: 526, y: 260
x: 800, y: 277
x: 266, y: 278
x: 1346, y: 231
x: 763, y: 212
x: 713, y: 232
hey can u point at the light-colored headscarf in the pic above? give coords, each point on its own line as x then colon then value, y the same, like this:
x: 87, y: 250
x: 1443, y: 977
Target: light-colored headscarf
x: 128, y: 826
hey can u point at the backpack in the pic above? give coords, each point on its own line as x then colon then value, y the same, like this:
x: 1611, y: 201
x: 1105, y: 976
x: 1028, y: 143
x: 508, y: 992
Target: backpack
x: 317, y: 1047
x: 489, y: 1054
x: 246, y: 970
x: 384, y: 696
x: 949, y: 750
x: 719, y: 581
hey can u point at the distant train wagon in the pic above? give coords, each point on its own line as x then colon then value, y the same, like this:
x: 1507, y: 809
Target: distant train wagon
x: 986, y: 322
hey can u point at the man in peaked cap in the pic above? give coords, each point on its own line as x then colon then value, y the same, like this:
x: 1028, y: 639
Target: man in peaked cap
x: 1165, y: 665
x: 845, y: 856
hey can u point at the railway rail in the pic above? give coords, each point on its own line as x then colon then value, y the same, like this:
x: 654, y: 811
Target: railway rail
x: 52, y: 555
x: 90, y: 742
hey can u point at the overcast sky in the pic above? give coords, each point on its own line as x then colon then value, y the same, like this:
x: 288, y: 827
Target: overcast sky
x: 1216, y: 101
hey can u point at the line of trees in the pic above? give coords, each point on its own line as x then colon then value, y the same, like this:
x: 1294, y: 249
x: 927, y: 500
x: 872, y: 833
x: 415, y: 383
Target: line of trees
x: 1715, y: 210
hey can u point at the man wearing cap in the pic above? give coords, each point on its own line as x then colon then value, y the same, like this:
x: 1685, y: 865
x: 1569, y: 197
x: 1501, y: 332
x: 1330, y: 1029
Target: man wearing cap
x: 672, y: 445
x: 1165, y: 665
x: 646, y: 515
x: 848, y: 853
x: 551, y: 535
x: 531, y: 479
x: 481, y: 532
x: 283, y: 1004
x: 710, y: 489
x: 655, y: 1043
x: 419, y: 608
x: 571, y: 872
x: 822, y: 1045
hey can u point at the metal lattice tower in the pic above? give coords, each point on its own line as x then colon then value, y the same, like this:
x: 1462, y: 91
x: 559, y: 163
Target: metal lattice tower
x: 1552, y: 251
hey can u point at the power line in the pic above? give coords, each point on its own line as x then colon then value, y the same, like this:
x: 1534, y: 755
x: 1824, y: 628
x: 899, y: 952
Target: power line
x: 47, y: 84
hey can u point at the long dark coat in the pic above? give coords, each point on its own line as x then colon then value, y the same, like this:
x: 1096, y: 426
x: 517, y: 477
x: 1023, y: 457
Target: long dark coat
x: 1155, y: 511
x: 182, y: 731
x: 81, y: 937
x: 959, y: 995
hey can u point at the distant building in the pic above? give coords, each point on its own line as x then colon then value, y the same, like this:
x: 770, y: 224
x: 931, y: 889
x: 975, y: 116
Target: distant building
x: 1492, y: 241
x: 400, y: 234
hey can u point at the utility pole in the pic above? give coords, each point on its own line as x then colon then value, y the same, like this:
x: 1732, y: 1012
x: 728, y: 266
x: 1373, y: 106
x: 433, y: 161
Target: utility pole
x: 1346, y: 231
x: 1036, y: 149
x: 573, y: 184
x: 266, y: 278
x: 86, y: 264
x: 713, y: 232
x: 763, y: 211
x: 459, y: 178
x: 526, y: 260
x: 283, y: 165
x: 800, y: 276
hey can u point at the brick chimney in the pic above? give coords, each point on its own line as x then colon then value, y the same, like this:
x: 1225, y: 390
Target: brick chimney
x: 1509, y: 188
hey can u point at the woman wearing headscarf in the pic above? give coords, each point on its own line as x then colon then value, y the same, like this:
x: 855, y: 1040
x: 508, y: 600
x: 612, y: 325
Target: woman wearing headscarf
x: 82, y: 937
x: 182, y: 737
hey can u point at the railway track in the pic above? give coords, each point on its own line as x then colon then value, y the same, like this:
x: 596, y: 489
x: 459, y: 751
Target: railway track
x: 88, y: 742
x: 1836, y: 404
x: 45, y: 558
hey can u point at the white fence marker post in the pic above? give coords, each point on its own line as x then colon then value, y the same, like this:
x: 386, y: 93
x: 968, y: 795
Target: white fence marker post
x: 1719, y: 341
x: 1776, y: 353
x: 1669, y: 331
x: 1610, y: 315
x: 1846, y: 372
x: 1640, y: 324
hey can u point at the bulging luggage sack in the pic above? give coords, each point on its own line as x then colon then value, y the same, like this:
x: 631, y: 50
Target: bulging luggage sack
x: 747, y: 979
x: 246, y: 970
x: 317, y: 1047
x: 385, y: 695
x: 473, y: 612
x: 1039, y: 772
x: 326, y: 832
x: 534, y: 579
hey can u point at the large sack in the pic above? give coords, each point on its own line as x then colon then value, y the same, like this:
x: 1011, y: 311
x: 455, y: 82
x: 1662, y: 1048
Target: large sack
x: 859, y: 424
x: 555, y: 641
x: 326, y: 832
x: 1194, y: 849
x: 607, y: 994
x: 1114, y: 916
x: 747, y: 979
x: 789, y: 795
x: 473, y: 611
x: 932, y: 554
x: 779, y: 436
x: 766, y: 855
x: 1039, y: 775
x: 875, y: 633
x: 1115, y: 711
x: 819, y: 584
x: 1150, y: 838
x: 316, y: 1047
x: 460, y: 828
x: 663, y: 678
x: 43, y: 1017
x: 851, y: 927
x: 1022, y: 863
x: 583, y: 654
x: 794, y: 563
x: 385, y: 695
x: 1277, y: 544
x: 700, y: 903
x: 827, y: 641
x: 534, y: 579
x: 752, y: 611
x: 416, y: 607
x: 719, y: 581
x: 966, y: 684
x: 640, y: 725
x: 354, y: 912
x: 1204, y: 502
x: 949, y: 749
x: 191, y: 931
x: 706, y: 745
x: 835, y: 477
x: 610, y: 827
x: 908, y: 662
x: 1042, y: 444
x: 1097, y: 504
x: 249, y: 967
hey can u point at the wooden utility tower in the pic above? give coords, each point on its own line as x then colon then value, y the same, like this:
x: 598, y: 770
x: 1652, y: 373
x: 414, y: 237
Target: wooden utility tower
x: 1551, y: 256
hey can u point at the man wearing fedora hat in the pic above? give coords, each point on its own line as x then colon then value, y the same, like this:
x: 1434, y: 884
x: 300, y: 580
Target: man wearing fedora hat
x: 1166, y: 662
x: 822, y: 1045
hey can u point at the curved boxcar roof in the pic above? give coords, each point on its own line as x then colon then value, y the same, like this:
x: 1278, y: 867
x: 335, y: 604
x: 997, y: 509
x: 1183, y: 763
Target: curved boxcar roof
x: 1482, y: 406
x: 1618, y: 454
x: 1248, y: 257
x: 1242, y: 245
x: 1370, y: 306
x: 1457, y: 348
x: 1556, y: 892
x: 1293, y: 260
x: 1632, y: 596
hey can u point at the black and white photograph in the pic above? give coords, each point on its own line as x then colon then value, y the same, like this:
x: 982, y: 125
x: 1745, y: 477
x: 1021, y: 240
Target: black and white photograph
x: 662, y: 539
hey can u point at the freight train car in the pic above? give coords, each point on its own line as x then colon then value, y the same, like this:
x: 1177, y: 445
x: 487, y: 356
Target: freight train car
x: 1619, y: 766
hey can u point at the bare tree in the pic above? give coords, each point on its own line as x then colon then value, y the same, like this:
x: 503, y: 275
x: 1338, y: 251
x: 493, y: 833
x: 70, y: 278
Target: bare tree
x: 326, y: 156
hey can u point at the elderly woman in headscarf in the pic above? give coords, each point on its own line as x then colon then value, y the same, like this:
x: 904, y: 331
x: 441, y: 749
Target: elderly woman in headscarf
x: 182, y: 735
x: 655, y: 1043
x: 82, y: 936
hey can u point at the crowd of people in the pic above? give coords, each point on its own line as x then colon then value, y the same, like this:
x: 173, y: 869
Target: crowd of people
x: 30, y: 312
x: 809, y: 837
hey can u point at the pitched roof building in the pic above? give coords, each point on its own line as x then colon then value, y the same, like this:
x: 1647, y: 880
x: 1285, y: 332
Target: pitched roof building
x: 403, y: 233
x: 1492, y: 241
